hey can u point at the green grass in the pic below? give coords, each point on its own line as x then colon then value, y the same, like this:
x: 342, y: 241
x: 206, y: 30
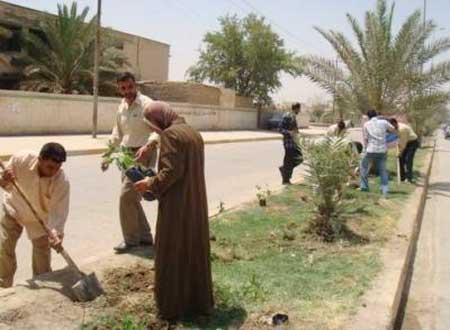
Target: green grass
x: 265, y: 262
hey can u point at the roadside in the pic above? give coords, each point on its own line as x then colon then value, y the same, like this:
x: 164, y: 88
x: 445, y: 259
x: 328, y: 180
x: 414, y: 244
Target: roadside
x: 263, y: 263
x: 86, y: 145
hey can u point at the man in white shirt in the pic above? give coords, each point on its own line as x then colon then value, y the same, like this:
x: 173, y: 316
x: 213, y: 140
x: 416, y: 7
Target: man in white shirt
x: 131, y: 131
x: 374, y: 136
x: 46, y: 185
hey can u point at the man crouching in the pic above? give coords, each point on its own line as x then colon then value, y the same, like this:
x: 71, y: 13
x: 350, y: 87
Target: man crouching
x: 47, y: 188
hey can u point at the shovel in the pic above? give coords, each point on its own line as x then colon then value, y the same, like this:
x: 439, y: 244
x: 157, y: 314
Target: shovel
x: 87, y: 287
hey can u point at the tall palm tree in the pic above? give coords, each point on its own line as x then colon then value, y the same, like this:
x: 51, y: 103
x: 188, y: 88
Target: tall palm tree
x: 383, y: 70
x: 60, y: 59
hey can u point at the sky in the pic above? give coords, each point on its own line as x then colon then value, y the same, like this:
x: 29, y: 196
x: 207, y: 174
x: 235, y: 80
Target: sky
x: 183, y: 23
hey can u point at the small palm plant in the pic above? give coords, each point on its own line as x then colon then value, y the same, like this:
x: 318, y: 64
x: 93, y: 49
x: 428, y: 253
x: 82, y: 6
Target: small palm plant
x: 328, y: 164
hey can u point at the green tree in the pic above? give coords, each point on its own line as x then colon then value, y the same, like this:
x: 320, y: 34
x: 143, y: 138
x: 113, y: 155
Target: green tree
x: 383, y: 70
x: 245, y: 55
x: 328, y: 163
x: 60, y: 60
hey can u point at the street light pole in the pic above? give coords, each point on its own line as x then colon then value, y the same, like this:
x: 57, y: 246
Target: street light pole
x: 96, y: 69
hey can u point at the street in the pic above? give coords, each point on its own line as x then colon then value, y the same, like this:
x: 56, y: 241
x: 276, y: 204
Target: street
x: 428, y: 305
x: 232, y: 172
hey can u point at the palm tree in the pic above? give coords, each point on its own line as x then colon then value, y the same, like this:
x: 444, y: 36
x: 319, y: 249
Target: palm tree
x: 60, y: 59
x: 383, y: 70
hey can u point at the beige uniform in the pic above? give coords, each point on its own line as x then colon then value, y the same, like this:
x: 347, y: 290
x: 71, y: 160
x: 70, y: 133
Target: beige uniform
x: 50, y: 197
x: 131, y: 131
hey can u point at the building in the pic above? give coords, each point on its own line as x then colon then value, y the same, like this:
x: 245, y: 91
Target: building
x: 149, y: 59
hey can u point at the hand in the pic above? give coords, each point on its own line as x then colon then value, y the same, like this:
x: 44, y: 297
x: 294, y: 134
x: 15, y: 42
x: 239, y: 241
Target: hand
x: 142, y: 186
x: 55, y: 238
x: 7, y: 178
x: 144, y: 152
x: 104, y: 166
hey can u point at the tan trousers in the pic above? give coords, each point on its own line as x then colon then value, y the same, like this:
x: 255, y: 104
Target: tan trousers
x: 10, y: 232
x: 135, y: 227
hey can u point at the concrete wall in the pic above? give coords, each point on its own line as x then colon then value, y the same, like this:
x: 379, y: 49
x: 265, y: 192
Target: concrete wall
x: 40, y: 113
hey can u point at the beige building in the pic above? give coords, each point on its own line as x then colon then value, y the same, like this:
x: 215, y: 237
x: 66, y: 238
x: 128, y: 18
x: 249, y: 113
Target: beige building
x: 148, y: 59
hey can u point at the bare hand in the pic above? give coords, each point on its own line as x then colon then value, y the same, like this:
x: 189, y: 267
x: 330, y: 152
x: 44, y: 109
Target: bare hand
x: 141, y: 186
x: 55, y: 238
x: 143, y: 152
x: 104, y: 166
x: 7, y: 178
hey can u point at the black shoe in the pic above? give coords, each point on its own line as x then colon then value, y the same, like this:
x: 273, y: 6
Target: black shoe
x: 146, y: 242
x: 124, y: 248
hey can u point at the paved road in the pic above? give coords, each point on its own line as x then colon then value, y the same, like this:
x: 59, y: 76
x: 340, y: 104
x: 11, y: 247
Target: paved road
x: 232, y: 172
x: 428, y: 305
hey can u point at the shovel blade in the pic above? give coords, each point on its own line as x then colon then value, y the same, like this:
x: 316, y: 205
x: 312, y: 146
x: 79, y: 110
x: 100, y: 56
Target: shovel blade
x: 87, y: 288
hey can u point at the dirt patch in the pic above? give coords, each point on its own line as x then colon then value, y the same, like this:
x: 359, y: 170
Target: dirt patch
x: 129, y: 298
x: 12, y: 316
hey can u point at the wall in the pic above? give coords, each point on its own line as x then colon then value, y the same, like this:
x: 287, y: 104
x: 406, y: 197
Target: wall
x: 24, y: 113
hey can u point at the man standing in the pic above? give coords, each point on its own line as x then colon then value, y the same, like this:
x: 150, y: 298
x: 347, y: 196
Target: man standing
x: 132, y: 132
x: 374, y: 136
x: 47, y: 188
x: 292, y: 153
x: 407, y: 145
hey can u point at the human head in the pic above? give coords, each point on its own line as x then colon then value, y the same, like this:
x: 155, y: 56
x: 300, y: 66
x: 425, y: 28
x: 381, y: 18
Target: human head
x: 126, y: 84
x: 159, y: 116
x: 393, y: 122
x: 341, y: 125
x: 296, y: 108
x: 371, y: 113
x: 51, y: 157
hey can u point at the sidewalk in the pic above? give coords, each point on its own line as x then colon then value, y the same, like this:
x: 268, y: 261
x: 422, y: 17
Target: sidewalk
x: 85, y: 145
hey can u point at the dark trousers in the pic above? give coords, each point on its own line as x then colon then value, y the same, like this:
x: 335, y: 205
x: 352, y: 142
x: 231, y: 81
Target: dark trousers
x: 292, y: 158
x: 407, y: 160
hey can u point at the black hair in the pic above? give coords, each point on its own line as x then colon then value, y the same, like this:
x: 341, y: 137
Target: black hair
x: 296, y: 106
x: 371, y: 113
x: 53, y: 151
x: 126, y: 76
x: 341, y: 125
x: 393, y: 122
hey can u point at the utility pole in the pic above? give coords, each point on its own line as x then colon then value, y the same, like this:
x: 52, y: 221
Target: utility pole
x: 96, y: 69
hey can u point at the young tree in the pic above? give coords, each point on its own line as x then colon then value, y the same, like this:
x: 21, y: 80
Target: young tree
x: 245, y: 55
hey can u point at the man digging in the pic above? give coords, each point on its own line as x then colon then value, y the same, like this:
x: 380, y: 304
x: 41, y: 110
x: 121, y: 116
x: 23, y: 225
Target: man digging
x: 46, y: 185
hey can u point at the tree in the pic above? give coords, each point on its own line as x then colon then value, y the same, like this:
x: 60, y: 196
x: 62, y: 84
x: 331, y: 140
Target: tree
x: 245, y: 55
x: 383, y: 70
x: 328, y: 163
x: 60, y: 59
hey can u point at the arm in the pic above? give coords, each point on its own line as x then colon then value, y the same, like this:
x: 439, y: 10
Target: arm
x: 59, y: 207
x: 365, y: 136
x: 116, y: 135
x: 171, y: 164
x: 7, y: 176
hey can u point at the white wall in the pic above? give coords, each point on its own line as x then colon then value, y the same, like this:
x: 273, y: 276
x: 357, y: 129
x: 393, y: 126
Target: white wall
x: 24, y: 113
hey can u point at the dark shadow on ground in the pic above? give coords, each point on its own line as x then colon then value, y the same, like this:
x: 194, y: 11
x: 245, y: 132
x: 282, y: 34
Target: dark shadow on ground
x: 223, y: 317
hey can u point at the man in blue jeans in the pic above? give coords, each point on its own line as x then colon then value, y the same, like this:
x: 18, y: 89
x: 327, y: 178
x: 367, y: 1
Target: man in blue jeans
x: 374, y: 135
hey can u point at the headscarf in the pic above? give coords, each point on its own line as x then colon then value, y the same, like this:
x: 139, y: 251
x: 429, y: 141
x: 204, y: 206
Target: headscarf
x: 159, y: 115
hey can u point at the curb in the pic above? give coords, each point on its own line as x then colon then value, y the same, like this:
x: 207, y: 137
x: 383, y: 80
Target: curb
x: 100, y: 150
x: 384, y: 302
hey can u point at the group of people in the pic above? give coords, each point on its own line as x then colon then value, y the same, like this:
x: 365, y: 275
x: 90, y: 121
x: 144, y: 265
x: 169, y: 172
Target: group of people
x: 183, y: 281
x: 375, y: 133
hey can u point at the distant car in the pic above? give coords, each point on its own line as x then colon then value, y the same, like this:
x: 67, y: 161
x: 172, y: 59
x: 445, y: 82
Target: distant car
x: 275, y: 121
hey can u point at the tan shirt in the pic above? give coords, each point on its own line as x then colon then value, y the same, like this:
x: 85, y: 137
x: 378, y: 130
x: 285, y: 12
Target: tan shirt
x: 405, y: 135
x: 49, y: 196
x: 130, y: 130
